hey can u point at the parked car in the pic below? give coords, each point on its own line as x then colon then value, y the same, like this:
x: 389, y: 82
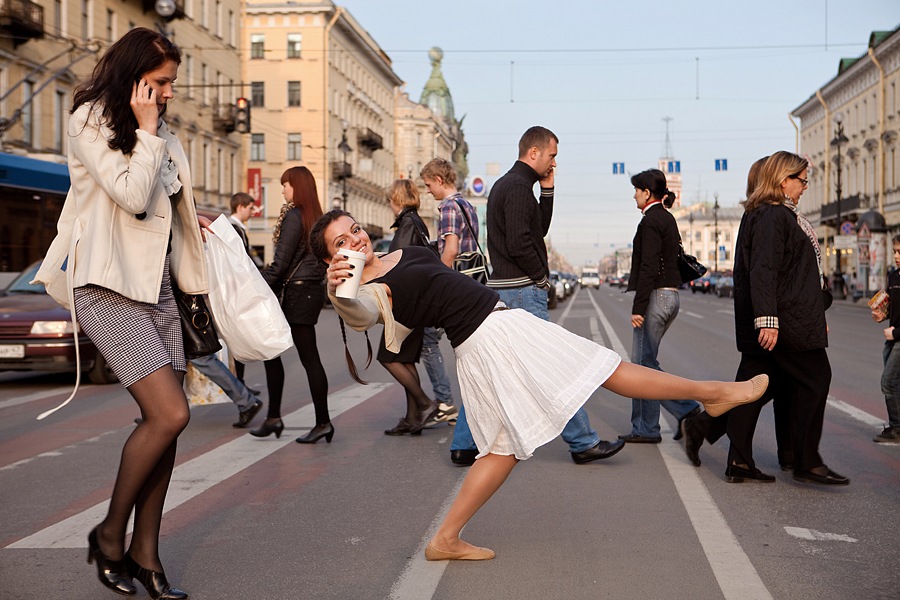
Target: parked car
x: 703, y: 284
x: 36, y: 333
x: 725, y: 286
x: 623, y: 281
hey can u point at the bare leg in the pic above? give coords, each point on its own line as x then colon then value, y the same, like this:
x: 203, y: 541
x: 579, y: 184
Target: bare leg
x: 146, y: 467
x: 634, y: 381
x: 483, y: 479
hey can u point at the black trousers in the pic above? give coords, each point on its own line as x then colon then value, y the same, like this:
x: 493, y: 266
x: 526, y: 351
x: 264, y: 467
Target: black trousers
x: 799, y: 384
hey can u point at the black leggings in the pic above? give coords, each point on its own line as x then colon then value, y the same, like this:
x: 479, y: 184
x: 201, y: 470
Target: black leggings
x: 305, y: 341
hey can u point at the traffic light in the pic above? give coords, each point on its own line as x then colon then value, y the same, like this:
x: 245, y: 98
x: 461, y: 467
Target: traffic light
x: 242, y: 116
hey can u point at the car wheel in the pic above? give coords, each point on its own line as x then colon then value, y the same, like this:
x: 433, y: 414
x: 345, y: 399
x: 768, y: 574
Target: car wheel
x: 101, y: 374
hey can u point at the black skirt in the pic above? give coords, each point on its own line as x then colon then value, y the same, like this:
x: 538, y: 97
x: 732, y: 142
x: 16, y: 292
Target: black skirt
x: 410, y: 351
x: 303, y: 301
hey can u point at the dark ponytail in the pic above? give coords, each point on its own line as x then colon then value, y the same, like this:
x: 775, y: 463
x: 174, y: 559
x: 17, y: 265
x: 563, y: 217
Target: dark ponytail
x: 654, y: 181
x: 351, y: 366
x: 669, y: 198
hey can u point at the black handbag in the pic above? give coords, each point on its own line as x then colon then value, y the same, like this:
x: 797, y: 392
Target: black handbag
x: 472, y: 263
x: 197, y: 327
x: 689, y: 267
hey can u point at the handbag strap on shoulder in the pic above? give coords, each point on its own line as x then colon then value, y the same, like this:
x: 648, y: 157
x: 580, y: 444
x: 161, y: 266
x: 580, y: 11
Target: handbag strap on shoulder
x: 468, y: 223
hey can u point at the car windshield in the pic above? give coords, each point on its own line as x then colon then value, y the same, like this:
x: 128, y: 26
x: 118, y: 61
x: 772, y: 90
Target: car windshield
x: 21, y: 285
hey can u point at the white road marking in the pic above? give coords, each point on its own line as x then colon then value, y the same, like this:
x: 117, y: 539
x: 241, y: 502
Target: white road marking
x: 812, y: 534
x: 736, y: 575
x: 617, y: 345
x: 726, y: 311
x: 691, y: 314
x: 60, y: 391
x: 421, y: 577
x: 856, y: 413
x: 199, y: 474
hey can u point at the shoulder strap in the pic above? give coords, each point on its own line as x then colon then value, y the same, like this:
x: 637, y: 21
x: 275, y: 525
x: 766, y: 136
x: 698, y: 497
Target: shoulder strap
x: 468, y: 223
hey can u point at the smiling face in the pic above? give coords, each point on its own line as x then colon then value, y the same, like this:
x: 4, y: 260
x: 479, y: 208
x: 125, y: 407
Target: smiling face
x: 344, y: 233
x: 161, y: 80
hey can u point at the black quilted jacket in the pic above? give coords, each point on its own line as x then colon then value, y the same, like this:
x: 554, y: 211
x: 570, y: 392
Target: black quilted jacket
x: 776, y: 275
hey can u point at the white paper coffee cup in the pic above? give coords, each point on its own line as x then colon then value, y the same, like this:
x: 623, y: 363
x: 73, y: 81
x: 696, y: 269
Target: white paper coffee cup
x: 350, y: 287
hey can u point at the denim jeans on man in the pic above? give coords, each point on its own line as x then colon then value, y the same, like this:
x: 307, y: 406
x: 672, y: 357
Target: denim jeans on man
x: 434, y: 365
x: 577, y: 432
x: 890, y: 382
x: 661, y: 312
x: 219, y: 373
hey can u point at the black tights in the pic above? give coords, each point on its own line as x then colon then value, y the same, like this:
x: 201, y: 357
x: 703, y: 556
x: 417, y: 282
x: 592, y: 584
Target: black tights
x: 148, y: 458
x: 408, y: 376
x: 305, y: 341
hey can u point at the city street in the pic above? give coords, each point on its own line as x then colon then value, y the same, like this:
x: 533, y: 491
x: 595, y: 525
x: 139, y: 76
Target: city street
x: 271, y: 519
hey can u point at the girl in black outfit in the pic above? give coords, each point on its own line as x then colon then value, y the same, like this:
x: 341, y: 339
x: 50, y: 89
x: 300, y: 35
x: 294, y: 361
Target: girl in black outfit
x: 301, y: 276
x: 410, y: 231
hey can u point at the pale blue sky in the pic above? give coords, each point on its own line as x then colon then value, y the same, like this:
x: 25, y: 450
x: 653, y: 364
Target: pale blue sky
x: 602, y: 75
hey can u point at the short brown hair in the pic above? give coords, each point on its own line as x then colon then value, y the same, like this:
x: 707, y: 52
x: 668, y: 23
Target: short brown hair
x: 404, y: 193
x: 241, y: 199
x: 439, y: 167
x: 536, y: 137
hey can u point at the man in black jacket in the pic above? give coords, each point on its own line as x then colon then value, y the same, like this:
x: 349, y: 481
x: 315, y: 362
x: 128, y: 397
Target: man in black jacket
x: 516, y: 226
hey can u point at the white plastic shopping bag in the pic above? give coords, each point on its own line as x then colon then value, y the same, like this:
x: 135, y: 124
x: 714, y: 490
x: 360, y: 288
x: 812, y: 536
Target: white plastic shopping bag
x: 247, y: 313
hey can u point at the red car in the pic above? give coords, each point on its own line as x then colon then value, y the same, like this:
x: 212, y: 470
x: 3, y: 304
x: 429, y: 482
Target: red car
x: 36, y: 333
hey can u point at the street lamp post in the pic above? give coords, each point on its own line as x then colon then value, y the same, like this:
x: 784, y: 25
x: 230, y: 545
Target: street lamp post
x: 716, y: 233
x: 839, y: 138
x: 344, y: 147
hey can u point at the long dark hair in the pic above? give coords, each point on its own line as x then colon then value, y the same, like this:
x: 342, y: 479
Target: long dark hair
x: 654, y: 181
x: 137, y: 52
x: 318, y: 247
x: 305, y: 198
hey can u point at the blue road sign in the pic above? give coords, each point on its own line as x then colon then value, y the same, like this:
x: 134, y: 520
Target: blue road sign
x: 618, y: 168
x: 721, y: 164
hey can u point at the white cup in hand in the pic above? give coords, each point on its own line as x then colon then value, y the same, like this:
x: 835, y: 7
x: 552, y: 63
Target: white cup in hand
x: 350, y: 286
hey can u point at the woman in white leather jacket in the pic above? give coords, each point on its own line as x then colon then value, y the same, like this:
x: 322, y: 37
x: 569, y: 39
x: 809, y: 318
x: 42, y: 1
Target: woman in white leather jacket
x: 128, y: 222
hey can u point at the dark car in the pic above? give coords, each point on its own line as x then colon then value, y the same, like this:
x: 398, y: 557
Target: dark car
x: 703, y: 284
x: 36, y: 333
x: 725, y: 286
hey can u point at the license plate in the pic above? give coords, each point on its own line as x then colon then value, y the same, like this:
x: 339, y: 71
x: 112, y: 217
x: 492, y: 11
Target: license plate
x: 12, y: 351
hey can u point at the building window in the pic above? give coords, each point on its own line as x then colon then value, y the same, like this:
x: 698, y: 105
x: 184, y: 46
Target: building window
x: 231, y: 28
x: 258, y: 93
x: 257, y: 146
x: 28, y: 113
x: 294, y: 145
x: 207, y: 166
x: 204, y: 79
x: 220, y: 174
x: 85, y: 19
x: 218, y: 17
x: 257, y: 45
x: 59, y: 119
x: 110, y: 20
x: 189, y: 69
x: 293, y: 93
x: 294, y: 42
x: 57, y: 15
x: 204, y: 19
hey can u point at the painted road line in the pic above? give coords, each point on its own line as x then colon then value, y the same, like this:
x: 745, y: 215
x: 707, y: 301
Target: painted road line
x: 736, y: 575
x: 858, y: 414
x: 726, y: 311
x: 35, y: 396
x: 199, y: 474
x: 421, y: 577
x: 691, y: 314
x: 818, y: 536
x: 616, y: 345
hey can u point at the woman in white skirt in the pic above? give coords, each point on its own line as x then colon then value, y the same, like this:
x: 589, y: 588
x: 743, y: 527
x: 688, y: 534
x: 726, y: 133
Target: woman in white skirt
x: 521, y: 378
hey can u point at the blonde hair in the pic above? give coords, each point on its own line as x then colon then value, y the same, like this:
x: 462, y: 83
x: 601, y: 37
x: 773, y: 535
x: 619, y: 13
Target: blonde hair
x: 439, y: 167
x: 404, y: 193
x: 780, y: 166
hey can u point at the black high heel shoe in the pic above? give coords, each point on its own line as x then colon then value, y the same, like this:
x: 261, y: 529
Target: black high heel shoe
x: 317, y: 433
x: 266, y: 428
x: 154, y: 582
x: 111, y: 573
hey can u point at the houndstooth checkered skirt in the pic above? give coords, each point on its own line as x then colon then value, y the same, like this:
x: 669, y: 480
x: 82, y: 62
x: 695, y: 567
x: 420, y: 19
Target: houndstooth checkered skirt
x: 135, y: 338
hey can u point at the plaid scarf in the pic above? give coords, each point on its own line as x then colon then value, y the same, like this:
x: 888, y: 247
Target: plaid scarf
x: 807, y: 228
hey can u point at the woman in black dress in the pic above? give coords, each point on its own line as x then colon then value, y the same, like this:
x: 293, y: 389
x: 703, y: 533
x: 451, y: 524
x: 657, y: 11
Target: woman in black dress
x: 300, y: 275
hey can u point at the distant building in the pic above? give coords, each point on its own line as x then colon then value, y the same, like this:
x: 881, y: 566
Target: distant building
x: 698, y: 225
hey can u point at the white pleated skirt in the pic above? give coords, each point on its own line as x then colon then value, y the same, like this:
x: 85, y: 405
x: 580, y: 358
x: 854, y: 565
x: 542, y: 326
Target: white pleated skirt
x: 523, y: 378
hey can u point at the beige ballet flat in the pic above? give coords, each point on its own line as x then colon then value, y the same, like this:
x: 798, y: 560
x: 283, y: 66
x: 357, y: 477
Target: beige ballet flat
x: 432, y: 553
x: 760, y: 383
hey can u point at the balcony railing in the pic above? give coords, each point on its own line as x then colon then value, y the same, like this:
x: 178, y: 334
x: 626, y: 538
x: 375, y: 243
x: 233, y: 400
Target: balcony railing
x: 22, y: 20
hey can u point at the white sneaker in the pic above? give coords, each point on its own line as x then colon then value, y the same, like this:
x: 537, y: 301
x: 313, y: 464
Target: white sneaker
x: 445, y: 413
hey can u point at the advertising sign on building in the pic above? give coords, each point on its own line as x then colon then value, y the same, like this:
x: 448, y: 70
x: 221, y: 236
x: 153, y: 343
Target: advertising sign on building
x: 254, y: 185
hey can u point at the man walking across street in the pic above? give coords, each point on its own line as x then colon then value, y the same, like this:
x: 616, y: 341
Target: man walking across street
x: 517, y: 223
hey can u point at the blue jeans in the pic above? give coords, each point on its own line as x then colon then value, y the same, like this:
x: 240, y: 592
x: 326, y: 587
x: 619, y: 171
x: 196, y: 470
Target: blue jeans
x: 577, y: 432
x: 434, y: 365
x: 219, y: 373
x: 661, y: 312
x: 890, y: 383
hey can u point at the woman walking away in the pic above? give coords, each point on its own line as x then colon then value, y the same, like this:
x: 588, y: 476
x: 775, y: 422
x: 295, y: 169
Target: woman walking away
x: 521, y: 378
x: 130, y: 217
x: 297, y: 272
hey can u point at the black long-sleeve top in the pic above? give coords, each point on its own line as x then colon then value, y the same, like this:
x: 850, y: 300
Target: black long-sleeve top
x: 654, y: 257
x: 894, y: 307
x: 292, y: 252
x: 516, y: 226
x: 410, y: 230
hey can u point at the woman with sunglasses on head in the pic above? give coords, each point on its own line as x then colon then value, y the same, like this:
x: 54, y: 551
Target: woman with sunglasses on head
x: 128, y: 221
x: 521, y: 378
